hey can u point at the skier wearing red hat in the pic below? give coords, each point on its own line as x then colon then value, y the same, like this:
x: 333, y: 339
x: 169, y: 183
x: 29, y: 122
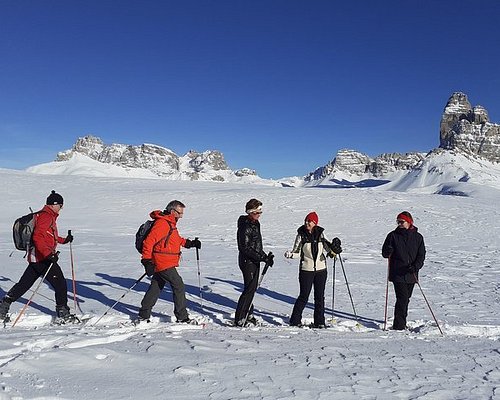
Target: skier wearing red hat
x: 309, y: 246
x: 405, y: 249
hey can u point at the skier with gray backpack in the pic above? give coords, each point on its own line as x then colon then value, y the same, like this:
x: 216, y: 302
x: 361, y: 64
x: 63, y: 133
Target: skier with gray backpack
x: 160, y: 244
x: 36, y: 234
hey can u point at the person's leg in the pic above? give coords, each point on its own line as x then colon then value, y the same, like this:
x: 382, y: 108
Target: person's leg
x: 319, y: 297
x: 306, y: 279
x: 56, y: 279
x: 401, y: 307
x: 151, y: 296
x: 250, y: 273
x: 179, y: 293
x: 27, y: 280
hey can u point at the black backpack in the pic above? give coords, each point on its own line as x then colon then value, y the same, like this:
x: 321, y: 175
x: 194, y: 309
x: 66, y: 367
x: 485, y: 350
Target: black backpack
x: 22, y: 231
x: 143, y: 232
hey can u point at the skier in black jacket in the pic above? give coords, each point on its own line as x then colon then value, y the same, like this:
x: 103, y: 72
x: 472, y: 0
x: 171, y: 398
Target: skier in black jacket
x: 405, y: 249
x: 250, y: 256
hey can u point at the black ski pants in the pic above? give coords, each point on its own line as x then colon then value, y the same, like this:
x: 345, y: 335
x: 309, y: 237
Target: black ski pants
x: 308, y: 279
x: 251, y: 272
x: 403, y: 292
x: 55, y: 277
x: 158, y: 282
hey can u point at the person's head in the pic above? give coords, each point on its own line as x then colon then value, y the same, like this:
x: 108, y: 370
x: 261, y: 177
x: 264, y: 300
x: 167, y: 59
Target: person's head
x: 404, y: 220
x: 55, y: 201
x: 176, y: 208
x: 254, y: 209
x: 311, y: 220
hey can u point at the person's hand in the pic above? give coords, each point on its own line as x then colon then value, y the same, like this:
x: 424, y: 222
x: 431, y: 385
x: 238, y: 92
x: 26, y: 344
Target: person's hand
x: 412, y: 269
x: 270, y: 259
x: 336, y: 246
x: 53, y: 258
x: 192, y: 243
x: 68, y: 239
x: 288, y: 254
x: 149, y: 266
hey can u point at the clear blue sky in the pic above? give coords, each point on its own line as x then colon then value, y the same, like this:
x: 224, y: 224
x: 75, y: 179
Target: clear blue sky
x: 278, y: 86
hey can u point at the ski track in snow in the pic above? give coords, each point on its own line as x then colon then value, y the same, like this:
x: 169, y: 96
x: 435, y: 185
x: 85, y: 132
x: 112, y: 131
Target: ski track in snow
x: 349, y: 360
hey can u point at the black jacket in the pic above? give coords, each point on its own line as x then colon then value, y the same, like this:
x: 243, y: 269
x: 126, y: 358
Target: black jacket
x: 405, y: 249
x: 249, y: 241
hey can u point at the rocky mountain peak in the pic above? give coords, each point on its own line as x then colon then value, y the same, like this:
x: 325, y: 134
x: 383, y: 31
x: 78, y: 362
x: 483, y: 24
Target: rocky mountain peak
x: 468, y: 129
x: 208, y: 165
x: 354, y: 163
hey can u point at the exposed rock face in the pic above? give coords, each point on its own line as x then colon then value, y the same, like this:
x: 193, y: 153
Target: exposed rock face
x: 355, y: 163
x: 209, y: 165
x: 467, y: 129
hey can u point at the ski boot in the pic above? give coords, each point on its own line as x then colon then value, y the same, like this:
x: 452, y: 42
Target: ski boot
x: 4, y: 309
x: 251, y: 320
x: 188, y: 321
x: 63, y: 316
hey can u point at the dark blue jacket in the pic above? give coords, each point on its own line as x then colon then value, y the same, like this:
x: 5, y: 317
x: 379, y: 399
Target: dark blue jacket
x: 405, y: 249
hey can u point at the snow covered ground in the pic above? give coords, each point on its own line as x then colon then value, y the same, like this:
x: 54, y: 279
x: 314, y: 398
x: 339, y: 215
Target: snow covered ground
x: 164, y: 360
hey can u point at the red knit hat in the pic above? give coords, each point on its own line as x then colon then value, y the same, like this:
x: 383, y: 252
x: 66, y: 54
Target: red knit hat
x: 312, y: 216
x: 405, y: 216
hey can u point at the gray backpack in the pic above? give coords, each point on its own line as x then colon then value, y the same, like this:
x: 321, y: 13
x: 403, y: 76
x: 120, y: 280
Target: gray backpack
x: 22, y: 231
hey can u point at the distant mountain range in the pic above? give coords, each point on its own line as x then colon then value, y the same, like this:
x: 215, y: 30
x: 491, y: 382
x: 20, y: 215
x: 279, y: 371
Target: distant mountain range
x: 469, y: 151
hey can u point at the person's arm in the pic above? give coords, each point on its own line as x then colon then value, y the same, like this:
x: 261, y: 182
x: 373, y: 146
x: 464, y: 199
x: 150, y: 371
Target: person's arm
x: 387, y: 247
x: 297, y: 247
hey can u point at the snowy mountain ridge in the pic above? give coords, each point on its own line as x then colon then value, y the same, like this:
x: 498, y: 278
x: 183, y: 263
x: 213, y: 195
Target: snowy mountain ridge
x: 90, y: 156
x: 469, y: 151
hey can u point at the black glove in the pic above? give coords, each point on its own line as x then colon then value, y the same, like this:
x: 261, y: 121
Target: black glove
x: 412, y: 269
x: 192, y: 243
x: 336, y: 246
x: 270, y: 259
x: 149, y: 266
x: 68, y: 239
x: 53, y: 258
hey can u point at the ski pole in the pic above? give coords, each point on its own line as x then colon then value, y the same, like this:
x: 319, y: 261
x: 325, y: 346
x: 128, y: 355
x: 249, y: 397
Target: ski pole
x: 428, y: 305
x: 33, y: 295
x: 75, y: 299
x: 117, y: 301
x: 199, y: 274
x: 32, y: 291
x: 333, y: 286
x: 264, y: 270
x: 348, y: 290
x: 386, y: 293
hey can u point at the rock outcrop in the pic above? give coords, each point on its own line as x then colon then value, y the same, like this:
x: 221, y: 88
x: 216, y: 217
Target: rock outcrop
x: 209, y: 165
x: 355, y: 163
x: 468, y: 129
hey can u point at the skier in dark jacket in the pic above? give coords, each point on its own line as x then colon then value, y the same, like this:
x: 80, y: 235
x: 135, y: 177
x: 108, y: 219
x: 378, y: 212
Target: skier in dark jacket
x: 405, y: 249
x: 42, y: 256
x: 250, y: 256
x: 309, y: 246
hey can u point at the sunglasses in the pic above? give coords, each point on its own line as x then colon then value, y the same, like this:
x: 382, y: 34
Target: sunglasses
x: 400, y: 221
x: 257, y: 212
